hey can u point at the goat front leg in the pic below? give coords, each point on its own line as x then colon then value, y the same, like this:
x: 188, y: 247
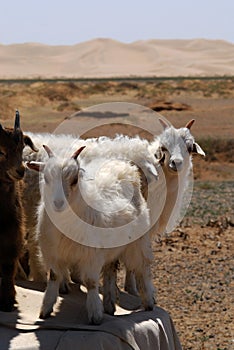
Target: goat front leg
x: 7, y: 288
x: 51, y: 294
x: 110, y: 288
x: 93, y: 302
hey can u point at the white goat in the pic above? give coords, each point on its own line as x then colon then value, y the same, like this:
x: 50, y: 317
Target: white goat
x: 31, y: 194
x: 72, y: 203
x: 166, y: 196
x: 174, y: 147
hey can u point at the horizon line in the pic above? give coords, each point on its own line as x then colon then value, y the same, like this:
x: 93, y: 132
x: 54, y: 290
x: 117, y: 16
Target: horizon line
x: 119, y: 41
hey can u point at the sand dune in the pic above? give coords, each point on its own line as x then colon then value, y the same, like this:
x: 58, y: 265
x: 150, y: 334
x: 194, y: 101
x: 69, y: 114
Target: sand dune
x: 110, y: 58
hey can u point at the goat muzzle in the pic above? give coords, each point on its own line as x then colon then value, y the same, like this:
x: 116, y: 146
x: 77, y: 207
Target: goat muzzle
x: 176, y: 165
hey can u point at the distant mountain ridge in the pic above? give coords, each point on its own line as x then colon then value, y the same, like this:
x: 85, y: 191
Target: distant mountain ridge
x: 103, y: 58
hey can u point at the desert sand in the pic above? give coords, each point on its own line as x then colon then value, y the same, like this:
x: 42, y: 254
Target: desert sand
x: 109, y: 58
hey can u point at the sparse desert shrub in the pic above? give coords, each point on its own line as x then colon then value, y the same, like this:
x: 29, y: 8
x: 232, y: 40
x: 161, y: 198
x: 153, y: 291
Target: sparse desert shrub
x: 217, y: 148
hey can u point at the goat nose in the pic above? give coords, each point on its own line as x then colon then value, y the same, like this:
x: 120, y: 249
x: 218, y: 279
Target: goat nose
x: 176, y: 164
x: 58, y: 203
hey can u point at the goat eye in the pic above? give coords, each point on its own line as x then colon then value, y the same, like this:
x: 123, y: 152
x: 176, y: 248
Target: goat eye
x: 189, y: 148
x: 164, y: 149
x: 189, y: 145
x: 74, y: 181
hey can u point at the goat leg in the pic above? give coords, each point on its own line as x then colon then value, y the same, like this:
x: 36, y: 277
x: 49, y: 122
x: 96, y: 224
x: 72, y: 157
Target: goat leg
x: 109, y: 287
x: 7, y: 288
x: 130, y: 283
x: 51, y: 294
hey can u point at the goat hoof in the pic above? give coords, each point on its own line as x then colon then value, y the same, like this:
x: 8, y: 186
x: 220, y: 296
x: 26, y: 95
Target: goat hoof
x: 149, y: 308
x: 64, y: 288
x: 43, y: 315
x: 96, y: 319
x: 149, y: 305
x: 109, y: 308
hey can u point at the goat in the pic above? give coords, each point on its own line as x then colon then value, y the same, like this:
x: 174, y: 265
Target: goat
x: 31, y: 199
x: 166, y: 195
x: 111, y: 206
x: 174, y: 149
x: 12, y: 142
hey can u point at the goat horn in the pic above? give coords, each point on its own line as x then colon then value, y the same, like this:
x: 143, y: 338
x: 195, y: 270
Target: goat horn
x: 17, y: 120
x: 75, y: 155
x: 163, y: 123
x: 49, y: 152
x: 189, y: 124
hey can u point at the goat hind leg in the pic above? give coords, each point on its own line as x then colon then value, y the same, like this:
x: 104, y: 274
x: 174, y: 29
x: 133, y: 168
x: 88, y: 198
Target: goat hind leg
x: 130, y: 283
x: 145, y: 286
x: 7, y: 288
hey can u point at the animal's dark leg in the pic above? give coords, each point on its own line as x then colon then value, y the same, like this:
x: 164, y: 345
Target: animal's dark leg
x: 109, y: 287
x: 130, y: 283
x: 7, y: 288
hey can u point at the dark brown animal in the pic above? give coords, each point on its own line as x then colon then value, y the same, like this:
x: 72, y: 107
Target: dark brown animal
x: 12, y: 142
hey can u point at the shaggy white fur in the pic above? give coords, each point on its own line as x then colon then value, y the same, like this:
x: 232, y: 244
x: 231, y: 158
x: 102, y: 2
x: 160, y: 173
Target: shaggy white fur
x: 117, y: 213
x: 174, y: 148
x: 165, y: 186
x: 94, y: 156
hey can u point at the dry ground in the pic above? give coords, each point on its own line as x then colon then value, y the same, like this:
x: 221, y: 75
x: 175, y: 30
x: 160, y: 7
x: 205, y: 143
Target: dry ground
x: 193, y: 269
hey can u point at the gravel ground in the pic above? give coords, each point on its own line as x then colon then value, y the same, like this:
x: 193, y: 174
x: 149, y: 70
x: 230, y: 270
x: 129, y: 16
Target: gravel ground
x: 211, y: 200
x: 194, y: 272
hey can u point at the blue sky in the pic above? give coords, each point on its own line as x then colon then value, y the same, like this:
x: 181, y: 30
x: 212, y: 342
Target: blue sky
x: 69, y: 22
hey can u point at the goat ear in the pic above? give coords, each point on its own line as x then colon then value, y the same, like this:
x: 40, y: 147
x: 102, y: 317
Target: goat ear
x: 189, y: 124
x: 28, y: 142
x: 37, y: 166
x: 198, y: 150
x: 164, y: 124
x: 75, y: 155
